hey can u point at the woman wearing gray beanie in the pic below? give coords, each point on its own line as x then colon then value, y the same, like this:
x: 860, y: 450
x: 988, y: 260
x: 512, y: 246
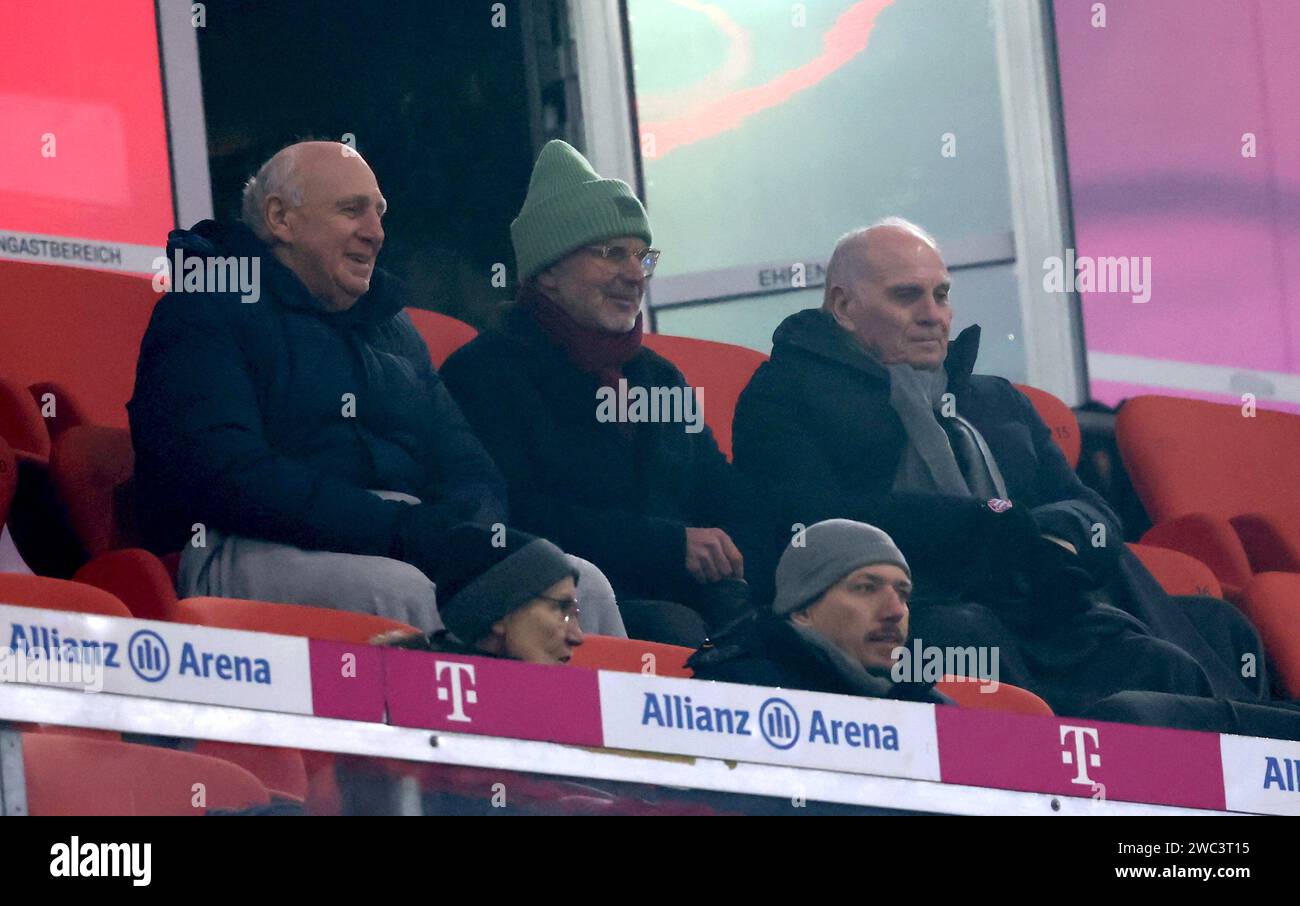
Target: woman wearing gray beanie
x: 502, y: 593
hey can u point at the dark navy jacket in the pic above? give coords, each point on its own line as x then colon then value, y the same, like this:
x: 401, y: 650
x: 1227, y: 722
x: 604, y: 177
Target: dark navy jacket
x: 240, y: 416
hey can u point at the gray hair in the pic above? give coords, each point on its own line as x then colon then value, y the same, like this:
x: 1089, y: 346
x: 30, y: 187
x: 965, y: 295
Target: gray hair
x: 278, y: 176
x: 844, y: 260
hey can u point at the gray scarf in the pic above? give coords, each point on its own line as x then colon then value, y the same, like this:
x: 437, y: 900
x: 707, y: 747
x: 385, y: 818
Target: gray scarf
x: 928, y: 462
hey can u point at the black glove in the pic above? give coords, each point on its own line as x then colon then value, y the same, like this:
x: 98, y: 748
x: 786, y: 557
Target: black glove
x: 723, y: 602
x: 1060, y: 582
x: 1010, y: 536
x: 1027, y: 579
x: 420, y: 532
x: 1049, y: 589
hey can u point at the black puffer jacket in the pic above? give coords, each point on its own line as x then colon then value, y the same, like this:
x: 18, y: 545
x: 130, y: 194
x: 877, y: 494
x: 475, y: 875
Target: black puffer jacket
x: 763, y: 650
x: 242, y: 420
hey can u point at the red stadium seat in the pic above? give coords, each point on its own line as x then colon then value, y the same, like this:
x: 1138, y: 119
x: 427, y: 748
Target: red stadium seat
x: 71, y: 775
x: 284, y: 619
x: 1271, y: 540
x: 21, y: 423
x: 443, y: 334
x: 721, y: 369
x: 280, y: 770
x: 135, y: 576
x: 67, y: 412
x: 1188, y: 456
x: 602, y: 652
x: 1008, y: 698
x: 58, y: 594
x: 323, y: 794
x: 1217, y: 484
x: 79, y: 328
x: 1223, y: 486
x: 1059, y: 418
x: 1178, y: 573
x: 1213, y: 541
x: 1272, y: 602
x: 91, y: 468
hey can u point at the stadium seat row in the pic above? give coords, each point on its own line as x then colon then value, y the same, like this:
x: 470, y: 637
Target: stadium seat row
x: 90, y: 467
x: 1248, y: 539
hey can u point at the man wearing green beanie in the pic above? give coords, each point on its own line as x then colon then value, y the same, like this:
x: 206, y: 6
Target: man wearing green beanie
x: 653, y: 504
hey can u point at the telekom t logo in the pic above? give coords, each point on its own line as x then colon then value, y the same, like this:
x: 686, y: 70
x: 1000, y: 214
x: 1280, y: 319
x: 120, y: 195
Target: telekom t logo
x: 460, y: 696
x: 1076, y: 758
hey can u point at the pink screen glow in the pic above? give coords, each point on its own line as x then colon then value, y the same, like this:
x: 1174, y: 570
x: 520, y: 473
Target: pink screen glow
x: 1156, y: 104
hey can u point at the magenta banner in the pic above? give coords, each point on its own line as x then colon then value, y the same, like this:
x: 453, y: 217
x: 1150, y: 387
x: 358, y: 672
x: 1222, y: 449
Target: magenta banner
x: 492, y: 697
x: 1065, y: 757
x: 347, y: 680
x: 1088, y: 759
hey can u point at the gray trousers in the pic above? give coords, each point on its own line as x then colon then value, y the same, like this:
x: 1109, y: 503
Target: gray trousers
x: 235, y: 566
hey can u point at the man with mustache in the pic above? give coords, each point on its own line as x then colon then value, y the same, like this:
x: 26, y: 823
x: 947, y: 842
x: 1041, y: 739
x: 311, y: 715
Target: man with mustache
x: 651, y: 503
x: 867, y: 412
x: 841, y: 608
x: 296, y: 443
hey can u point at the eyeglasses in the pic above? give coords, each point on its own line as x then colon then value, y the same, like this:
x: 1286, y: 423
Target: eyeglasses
x: 618, y: 256
x: 568, y: 607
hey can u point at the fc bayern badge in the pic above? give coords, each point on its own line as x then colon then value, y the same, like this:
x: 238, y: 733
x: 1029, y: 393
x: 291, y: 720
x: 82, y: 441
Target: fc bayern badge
x: 998, y: 505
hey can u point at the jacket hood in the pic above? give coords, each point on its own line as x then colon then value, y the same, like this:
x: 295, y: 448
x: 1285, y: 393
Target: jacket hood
x: 213, y: 239
x: 814, y: 331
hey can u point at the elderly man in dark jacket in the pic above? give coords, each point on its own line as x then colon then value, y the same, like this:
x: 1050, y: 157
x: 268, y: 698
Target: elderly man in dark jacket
x: 840, y: 612
x: 642, y: 492
x: 865, y: 411
x: 279, y: 384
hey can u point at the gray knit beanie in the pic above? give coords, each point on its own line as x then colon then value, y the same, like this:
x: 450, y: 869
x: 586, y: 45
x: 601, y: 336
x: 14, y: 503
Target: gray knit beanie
x: 482, y: 579
x: 830, y: 550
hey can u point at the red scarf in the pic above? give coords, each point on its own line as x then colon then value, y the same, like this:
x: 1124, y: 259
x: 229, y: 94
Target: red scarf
x: 593, y: 352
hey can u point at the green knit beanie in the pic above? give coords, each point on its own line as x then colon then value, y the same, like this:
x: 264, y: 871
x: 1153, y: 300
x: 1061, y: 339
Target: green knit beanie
x: 569, y: 206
